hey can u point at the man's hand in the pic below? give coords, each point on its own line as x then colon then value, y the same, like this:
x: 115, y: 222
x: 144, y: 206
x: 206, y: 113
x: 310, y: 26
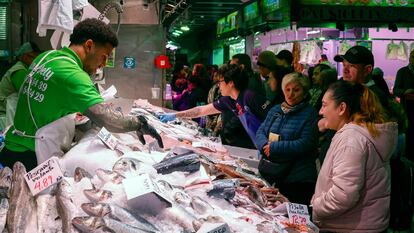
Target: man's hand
x: 167, y: 117
x: 322, y: 125
x: 266, y: 150
x: 145, y: 128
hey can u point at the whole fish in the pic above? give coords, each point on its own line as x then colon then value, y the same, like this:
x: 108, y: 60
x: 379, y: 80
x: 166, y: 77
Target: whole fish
x: 128, y: 167
x: 98, y: 224
x: 181, y: 216
x: 200, y: 206
x: 224, y: 188
x: 80, y: 173
x: 6, y: 178
x: 256, y: 196
x: 118, y: 213
x: 109, y: 176
x: 65, y: 205
x: 182, y: 198
x: 91, y: 224
x: 165, y: 186
x: 4, y: 207
x: 97, y: 195
x: 185, y: 163
x: 21, y: 201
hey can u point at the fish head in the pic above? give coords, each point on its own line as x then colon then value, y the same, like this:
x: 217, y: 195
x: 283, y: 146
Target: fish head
x: 64, y: 188
x: 96, y: 209
x: 97, y: 195
x: 117, y: 179
x: 88, y: 224
x: 102, y: 173
x: 126, y: 165
x: 80, y: 173
x: 6, y: 177
x: 18, y: 171
x: 165, y: 185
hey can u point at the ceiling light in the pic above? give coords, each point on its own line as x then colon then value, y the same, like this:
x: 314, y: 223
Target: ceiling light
x: 185, y: 28
x: 313, y: 32
x: 176, y: 34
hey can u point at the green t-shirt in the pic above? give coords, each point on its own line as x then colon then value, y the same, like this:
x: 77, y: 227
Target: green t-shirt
x: 59, y: 88
x: 11, y: 82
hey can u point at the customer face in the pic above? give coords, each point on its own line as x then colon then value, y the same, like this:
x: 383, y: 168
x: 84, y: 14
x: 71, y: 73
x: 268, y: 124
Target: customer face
x: 264, y: 72
x: 355, y: 73
x: 294, y: 93
x: 273, y: 82
x: 316, y: 78
x: 332, y: 113
x: 224, y: 87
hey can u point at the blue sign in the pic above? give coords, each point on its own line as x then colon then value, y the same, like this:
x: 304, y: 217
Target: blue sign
x: 129, y: 63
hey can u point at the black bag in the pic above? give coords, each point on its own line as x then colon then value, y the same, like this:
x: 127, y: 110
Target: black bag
x: 274, y: 173
x: 402, y: 194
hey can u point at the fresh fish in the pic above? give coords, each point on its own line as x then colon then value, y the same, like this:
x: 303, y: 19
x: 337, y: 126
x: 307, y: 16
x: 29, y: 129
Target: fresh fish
x: 6, y: 178
x: 109, y: 176
x: 4, y: 207
x: 165, y: 186
x: 21, y: 201
x: 256, y: 196
x: 224, y: 188
x: 180, y: 216
x: 185, y: 163
x: 80, y: 173
x: 211, y: 219
x: 118, y: 213
x: 200, y: 206
x: 182, y: 198
x: 131, y: 167
x: 97, y: 195
x: 98, y: 224
x: 120, y: 227
x: 91, y: 224
x: 65, y: 205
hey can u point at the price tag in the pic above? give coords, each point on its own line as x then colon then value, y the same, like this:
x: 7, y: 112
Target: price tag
x: 298, y: 214
x: 214, y: 228
x: 107, y: 138
x: 44, y: 175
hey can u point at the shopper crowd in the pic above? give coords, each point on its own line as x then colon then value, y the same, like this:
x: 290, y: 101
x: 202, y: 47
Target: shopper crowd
x: 323, y: 140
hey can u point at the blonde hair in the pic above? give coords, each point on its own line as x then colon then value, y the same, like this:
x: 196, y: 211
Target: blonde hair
x: 296, y: 77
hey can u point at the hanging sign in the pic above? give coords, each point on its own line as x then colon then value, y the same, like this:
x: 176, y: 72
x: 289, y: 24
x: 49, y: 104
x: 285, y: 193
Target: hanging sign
x: 129, y: 63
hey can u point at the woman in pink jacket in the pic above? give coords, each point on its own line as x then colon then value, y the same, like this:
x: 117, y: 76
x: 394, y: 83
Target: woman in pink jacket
x: 352, y: 192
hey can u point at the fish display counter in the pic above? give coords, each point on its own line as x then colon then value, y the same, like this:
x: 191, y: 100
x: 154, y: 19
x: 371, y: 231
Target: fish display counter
x: 193, y: 184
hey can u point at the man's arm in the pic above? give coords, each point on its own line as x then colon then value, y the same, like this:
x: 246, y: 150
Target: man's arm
x: 199, y: 111
x: 104, y: 115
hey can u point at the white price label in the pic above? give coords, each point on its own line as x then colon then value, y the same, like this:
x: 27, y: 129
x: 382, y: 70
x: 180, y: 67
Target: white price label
x: 298, y: 214
x: 107, y: 138
x: 44, y: 175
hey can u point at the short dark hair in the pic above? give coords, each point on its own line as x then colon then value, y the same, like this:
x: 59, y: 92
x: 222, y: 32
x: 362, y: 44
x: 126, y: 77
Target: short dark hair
x: 236, y: 74
x: 243, y: 59
x: 95, y: 30
x: 285, y: 55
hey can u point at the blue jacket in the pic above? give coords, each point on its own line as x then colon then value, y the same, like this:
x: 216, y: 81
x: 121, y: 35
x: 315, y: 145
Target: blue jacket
x: 298, y: 141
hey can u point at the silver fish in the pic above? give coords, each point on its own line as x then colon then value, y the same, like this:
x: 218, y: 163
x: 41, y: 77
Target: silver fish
x: 127, y: 167
x: 200, y: 206
x: 21, y: 201
x: 118, y: 213
x: 65, y: 205
x: 98, y: 224
x: 109, y: 176
x: 120, y: 227
x: 181, y: 216
x: 97, y: 195
x: 6, y: 178
x: 182, y: 198
x: 80, y: 173
x: 4, y: 207
x: 90, y: 224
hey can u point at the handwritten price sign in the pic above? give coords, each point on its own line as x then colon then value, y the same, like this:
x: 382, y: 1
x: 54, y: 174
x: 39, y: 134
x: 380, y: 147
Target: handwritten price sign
x: 43, y: 176
x: 298, y: 214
